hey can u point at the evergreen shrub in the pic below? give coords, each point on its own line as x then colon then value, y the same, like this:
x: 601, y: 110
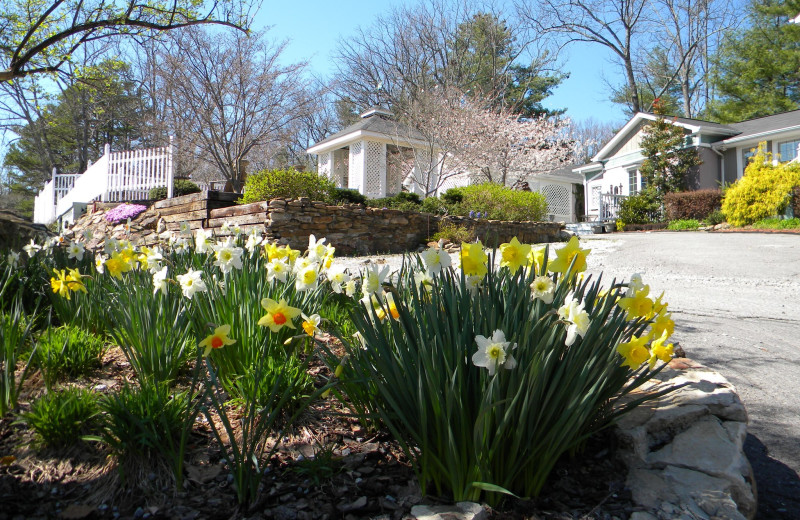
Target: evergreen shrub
x: 692, y: 204
x: 179, y: 187
x: 287, y: 184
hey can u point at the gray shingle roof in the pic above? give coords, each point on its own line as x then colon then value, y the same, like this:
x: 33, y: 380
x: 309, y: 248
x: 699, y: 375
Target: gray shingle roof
x: 378, y: 124
x: 700, y: 122
x: 766, y: 124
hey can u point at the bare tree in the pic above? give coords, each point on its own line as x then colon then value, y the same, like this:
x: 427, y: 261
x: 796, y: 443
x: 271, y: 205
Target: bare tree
x: 619, y: 25
x: 589, y: 136
x: 38, y: 37
x: 233, y: 94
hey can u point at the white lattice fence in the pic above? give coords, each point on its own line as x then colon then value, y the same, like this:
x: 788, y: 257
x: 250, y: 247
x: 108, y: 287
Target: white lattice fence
x: 559, y: 199
x: 375, y: 168
x: 356, y: 167
x: 324, y: 164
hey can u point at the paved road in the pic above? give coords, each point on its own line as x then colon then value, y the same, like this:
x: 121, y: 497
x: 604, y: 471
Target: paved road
x: 735, y: 300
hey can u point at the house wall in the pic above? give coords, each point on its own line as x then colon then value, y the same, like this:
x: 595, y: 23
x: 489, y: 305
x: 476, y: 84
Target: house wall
x: 632, y: 144
x: 708, y: 173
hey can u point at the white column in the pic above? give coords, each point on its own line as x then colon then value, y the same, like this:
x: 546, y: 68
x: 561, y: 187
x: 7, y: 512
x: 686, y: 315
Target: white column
x: 358, y: 170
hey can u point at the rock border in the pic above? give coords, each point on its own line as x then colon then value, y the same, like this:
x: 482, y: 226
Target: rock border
x: 683, y: 451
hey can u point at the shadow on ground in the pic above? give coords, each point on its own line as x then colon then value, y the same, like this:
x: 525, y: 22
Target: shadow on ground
x: 778, y: 485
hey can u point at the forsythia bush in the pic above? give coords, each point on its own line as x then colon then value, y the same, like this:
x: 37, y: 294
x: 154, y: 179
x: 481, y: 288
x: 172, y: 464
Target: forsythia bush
x: 763, y: 192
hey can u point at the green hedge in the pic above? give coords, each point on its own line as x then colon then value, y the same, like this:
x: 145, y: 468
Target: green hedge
x: 179, y: 187
x: 498, y: 202
x: 639, y: 209
x: 287, y: 184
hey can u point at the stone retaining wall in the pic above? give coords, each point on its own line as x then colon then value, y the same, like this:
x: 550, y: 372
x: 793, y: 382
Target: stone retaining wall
x: 352, y: 228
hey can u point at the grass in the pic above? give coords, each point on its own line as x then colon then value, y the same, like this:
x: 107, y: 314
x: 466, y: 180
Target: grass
x: 63, y: 418
x: 777, y: 223
x: 683, y: 224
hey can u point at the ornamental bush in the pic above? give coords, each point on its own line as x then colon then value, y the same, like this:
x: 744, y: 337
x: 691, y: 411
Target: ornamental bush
x: 764, y: 191
x: 642, y: 208
x: 179, y: 187
x: 287, y: 184
x: 498, y: 202
x: 692, y: 204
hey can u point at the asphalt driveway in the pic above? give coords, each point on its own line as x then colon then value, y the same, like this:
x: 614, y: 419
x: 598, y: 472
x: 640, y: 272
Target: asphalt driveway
x: 735, y: 299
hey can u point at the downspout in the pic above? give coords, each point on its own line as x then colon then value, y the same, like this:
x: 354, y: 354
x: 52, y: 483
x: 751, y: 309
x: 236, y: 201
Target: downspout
x: 721, y: 166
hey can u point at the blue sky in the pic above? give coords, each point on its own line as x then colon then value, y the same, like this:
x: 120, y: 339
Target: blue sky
x: 314, y: 26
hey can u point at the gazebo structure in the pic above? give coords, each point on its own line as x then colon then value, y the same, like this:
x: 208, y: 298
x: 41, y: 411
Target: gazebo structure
x: 379, y: 157
x: 376, y: 155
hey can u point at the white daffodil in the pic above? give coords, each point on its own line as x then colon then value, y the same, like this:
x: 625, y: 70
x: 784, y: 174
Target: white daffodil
x: 307, y: 278
x: 202, y: 240
x: 302, y: 263
x: 185, y: 229
x: 87, y: 234
x: 110, y: 245
x: 543, y: 288
x: 181, y: 245
x: 160, y: 281
x: 578, y: 319
x: 228, y: 255
x: 338, y: 278
x: 435, y: 260
x: 423, y: 281
x: 473, y: 283
x: 32, y: 248
x: 75, y: 250
x: 253, y: 241
x: 316, y: 248
x: 311, y: 324
x: 100, y: 263
x: 351, y: 287
x: 12, y: 258
x: 494, y: 352
x: 225, y: 228
x: 154, y: 259
x: 191, y: 283
x: 278, y: 269
x: 634, y: 285
x: 373, y: 279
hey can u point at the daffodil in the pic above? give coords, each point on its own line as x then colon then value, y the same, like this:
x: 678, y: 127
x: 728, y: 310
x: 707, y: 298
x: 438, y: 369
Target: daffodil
x: 75, y: 281
x: 32, y: 248
x: 154, y: 259
x: 373, y: 279
x: 424, y: 282
x: 116, y: 265
x: 435, y: 259
x: 662, y: 324
x: 59, y: 284
x: 185, y: 229
x: 536, y: 259
x: 351, y: 287
x: 473, y: 283
x: 99, y: 263
x: 634, y: 352
x: 12, y: 258
x: 253, y: 241
x: 191, y: 283
x: 308, y: 278
x: 228, y: 256
x: 217, y: 340
x: 316, y: 248
x: 391, y: 305
x: 543, y: 288
x: 473, y: 259
x: 578, y: 319
x: 75, y: 250
x: 337, y: 277
x: 570, y: 255
x: 638, y: 304
x: 277, y: 269
x: 202, y: 240
x: 514, y: 255
x: 311, y: 324
x: 635, y: 284
x: 160, y: 281
x: 110, y: 245
x: 279, y: 314
x: 494, y: 352
x: 659, y: 351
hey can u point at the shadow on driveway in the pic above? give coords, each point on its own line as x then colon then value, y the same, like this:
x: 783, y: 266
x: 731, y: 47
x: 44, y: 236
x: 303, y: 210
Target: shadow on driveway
x: 778, y: 485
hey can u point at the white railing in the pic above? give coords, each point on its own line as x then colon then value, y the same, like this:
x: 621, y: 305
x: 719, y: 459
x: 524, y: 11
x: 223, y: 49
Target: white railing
x: 115, y: 177
x: 609, y: 206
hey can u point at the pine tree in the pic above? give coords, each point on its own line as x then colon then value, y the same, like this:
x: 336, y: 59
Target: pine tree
x: 668, y: 161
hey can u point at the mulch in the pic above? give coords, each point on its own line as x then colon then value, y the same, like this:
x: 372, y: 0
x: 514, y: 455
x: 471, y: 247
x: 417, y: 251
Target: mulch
x: 328, y: 466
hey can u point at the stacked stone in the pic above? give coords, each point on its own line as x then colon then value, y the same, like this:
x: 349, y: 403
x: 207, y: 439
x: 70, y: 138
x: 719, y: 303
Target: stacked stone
x: 16, y: 231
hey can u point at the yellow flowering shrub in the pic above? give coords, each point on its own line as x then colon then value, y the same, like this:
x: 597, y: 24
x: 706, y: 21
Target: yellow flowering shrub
x: 763, y: 192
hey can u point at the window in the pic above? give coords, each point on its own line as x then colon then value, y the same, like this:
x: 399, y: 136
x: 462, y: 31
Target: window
x: 747, y: 153
x: 788, y: 150
x: 633, y: 186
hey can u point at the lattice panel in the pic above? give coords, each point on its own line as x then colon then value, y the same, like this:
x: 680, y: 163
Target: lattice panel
x: 356, y: 167
x: 394, y: 177
x: 324, y: 164
x: 596, y: 190
x: 558, y: 198
x: 376, y: 164
x: 339, y: 169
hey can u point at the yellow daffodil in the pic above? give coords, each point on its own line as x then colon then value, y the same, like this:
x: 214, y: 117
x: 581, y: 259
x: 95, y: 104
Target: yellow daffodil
x: 59, y: 284
x: 514, y: 255
x: 663, y: 324
x: 217, y: 340
x: 638, y: 304
x: 536, y: 258
x: 392, y: 306
x: 659, y: 351
x: 567, y: 255
x: 473, y: 259
x: 75, y: 281
x: 634, y: 352
x: 311, y: 324
x: 116, y: 265
x: 659, y: 306
x: 279, y: 314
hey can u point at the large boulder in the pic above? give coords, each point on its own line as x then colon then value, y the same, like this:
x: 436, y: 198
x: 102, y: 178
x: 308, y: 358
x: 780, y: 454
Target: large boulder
x: 16, y: 231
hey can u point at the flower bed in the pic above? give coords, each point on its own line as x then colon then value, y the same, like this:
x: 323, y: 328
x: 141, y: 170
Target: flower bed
x: 481, y: 375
